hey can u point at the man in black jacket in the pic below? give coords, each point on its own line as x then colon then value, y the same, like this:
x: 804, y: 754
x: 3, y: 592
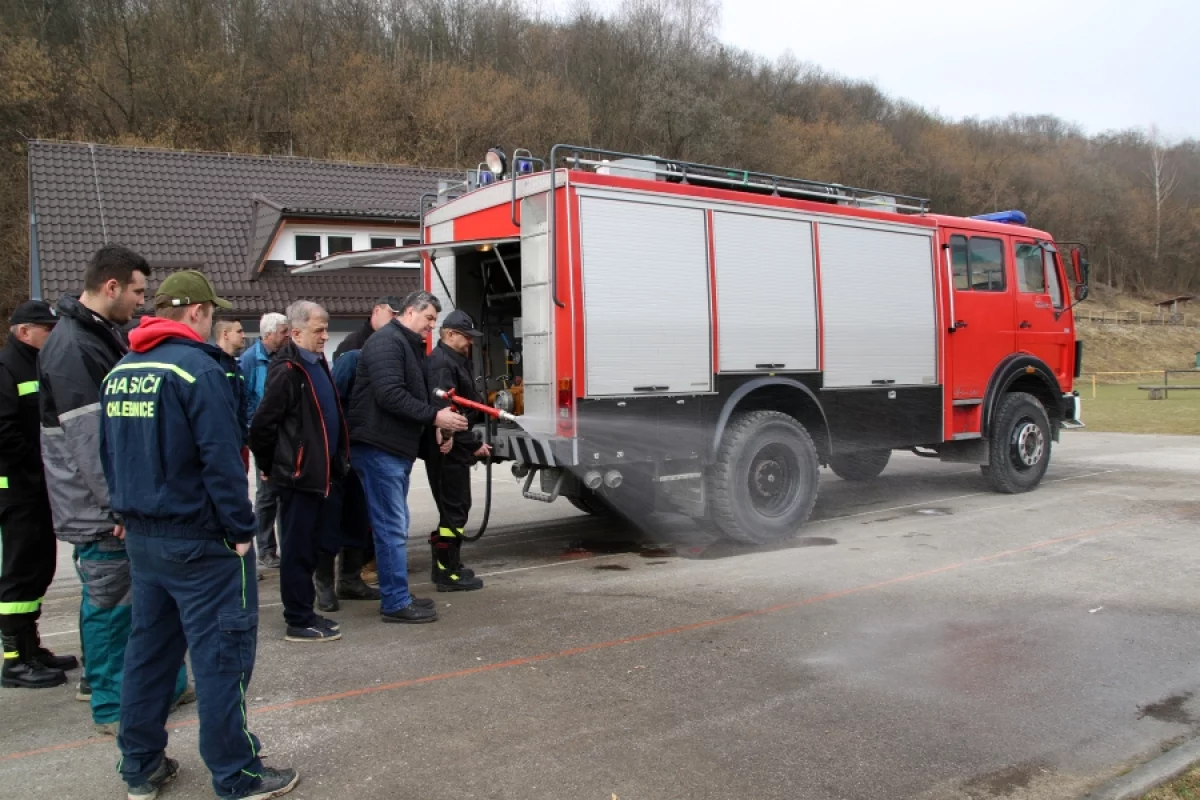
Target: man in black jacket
x: 384, y: 311
x: 86, y: 343
x: 449, y: 467
x: 390, y: 416
x: 26, y: 527
x: 300, y: 442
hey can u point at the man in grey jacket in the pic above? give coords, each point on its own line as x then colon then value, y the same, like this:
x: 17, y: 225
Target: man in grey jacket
x: 84, y: 346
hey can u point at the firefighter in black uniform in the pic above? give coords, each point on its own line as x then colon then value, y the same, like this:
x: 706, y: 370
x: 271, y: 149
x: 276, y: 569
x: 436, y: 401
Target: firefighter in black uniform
x: 26, y: 527
x: 448, y: 465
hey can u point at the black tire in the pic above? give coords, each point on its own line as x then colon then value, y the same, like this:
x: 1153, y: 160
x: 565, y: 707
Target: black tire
x: 1019, y: 444
x: 589, y: 503
x: 863, y: 465
x: 759, y: 449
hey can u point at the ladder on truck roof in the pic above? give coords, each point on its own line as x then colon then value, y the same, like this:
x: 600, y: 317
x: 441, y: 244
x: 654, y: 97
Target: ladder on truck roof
x: 696, y: 174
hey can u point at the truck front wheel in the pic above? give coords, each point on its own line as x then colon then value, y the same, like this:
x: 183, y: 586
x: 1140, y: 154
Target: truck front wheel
x: 1019, y: 444
x: 763, y: 481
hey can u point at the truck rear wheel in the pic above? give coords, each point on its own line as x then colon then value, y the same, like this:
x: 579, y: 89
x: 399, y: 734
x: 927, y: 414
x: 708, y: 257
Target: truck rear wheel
x: 1019, y: 445
x: 763, y: 482
x: 863, y: 465
x: 590, y: 503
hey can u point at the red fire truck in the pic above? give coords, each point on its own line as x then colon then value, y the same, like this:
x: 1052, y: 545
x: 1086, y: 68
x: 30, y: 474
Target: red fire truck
x: 704, y: 339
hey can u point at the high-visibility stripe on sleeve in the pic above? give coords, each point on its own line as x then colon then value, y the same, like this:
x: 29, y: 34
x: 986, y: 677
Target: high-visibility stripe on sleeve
x: 23, y: 607
x: 3, y: 482
x: 28, y: 387
x: 187, y: 376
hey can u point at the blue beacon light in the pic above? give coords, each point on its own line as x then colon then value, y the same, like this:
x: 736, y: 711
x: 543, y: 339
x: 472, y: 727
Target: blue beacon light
x: 1011, y: 217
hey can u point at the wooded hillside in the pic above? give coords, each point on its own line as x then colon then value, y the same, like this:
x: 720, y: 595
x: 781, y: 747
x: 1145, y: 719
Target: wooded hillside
x: 436, y: 82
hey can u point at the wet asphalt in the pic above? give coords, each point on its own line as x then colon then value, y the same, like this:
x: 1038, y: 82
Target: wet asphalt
x: 924, y: 638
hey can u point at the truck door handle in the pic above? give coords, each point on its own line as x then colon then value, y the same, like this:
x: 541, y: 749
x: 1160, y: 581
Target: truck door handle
x: 769, y: 366
x: 1026, y: 323
x: 650, y: 388
x: 958, y: 324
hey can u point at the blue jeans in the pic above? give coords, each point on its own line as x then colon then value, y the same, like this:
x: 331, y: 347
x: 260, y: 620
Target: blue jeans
x: 385, y: 481
x: 196, y: 595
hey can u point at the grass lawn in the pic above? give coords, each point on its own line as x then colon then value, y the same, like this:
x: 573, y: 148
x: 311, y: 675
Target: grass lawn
x: 1123, y: 408
x: 1186, y: 788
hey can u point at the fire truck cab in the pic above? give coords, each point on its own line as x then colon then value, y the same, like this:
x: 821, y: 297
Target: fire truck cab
x: 684, y: 337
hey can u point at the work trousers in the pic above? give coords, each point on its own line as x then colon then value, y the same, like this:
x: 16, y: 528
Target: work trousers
x: 28, y: 554
x: 450, y: 482
x: 385, y: 479
x: 266, y: 507
x: 197, y: 596
x: 308, y: 526
x: 104, y: 623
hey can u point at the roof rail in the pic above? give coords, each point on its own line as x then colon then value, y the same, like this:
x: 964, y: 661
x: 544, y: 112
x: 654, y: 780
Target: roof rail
x: 691, y: 173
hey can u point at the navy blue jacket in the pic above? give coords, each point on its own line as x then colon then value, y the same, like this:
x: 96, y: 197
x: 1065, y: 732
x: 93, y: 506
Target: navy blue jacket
x: 171, y: 437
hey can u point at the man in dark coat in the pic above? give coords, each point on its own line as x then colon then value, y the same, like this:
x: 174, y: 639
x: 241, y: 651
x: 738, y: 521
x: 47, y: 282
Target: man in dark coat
x: 390, y: 417
x: 300, y: 442
x: 449, y: 466
x: 26, y: 526
x: 86, y: 343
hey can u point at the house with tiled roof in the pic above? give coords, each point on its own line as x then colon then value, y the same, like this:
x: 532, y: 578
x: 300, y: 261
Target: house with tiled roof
x: 243, y: 220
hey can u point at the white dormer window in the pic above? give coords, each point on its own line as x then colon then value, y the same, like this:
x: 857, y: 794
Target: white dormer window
x: 302, y: 243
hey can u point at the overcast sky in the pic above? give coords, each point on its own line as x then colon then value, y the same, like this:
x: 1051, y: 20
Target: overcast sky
x: 1104, y: 64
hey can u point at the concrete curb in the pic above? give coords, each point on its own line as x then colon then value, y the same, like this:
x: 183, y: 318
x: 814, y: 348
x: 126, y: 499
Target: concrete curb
x: 1167, y: 767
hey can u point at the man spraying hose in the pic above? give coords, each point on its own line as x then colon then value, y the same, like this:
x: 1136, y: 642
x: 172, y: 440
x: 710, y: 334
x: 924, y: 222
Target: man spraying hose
x: 451, y: 381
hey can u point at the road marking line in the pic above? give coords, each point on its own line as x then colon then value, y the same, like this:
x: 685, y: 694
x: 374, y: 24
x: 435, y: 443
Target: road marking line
x: 627, y: 640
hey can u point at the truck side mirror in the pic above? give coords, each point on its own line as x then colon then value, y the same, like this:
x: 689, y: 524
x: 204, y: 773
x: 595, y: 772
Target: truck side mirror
x: 1077, y: 265
x: 1081, y: 292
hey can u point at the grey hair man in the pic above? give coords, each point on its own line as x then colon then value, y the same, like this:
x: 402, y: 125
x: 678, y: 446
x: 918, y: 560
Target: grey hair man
x: 390, y: 417
x: 273, y: 331
x: 300, y: 443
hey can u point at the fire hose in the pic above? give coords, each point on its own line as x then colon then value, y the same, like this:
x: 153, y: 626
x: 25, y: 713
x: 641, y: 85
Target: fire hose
x: 460, y: 403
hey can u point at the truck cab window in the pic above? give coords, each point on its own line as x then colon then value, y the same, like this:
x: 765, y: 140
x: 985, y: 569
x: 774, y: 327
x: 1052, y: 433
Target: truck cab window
x: 1031, y: 269
x: 958, y: 261
x: 1053, y: 283
x: 985, y: 264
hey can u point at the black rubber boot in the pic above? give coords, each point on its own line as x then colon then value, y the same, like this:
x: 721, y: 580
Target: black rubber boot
x: 447, y: 568
x: 49, y: 659
x: 435, y: 537
x: 25, y: 671
x: 323, y: 579
x: 350, y: 585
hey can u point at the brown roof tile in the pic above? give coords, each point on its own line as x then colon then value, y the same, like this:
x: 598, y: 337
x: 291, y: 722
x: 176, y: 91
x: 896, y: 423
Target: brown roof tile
x: 217, y: 209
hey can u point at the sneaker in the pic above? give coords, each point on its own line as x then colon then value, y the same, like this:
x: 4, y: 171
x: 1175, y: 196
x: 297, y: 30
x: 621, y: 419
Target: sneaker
x: 370, y: 574
x: 188, y: 696
x: 269, y: 560
x: 108, y: 728
x: 311, y: 634
x: 411, y: 613
x: 332, y: 624
x: 272, y: 783
x: 168, y: 768
x: 83, y: 690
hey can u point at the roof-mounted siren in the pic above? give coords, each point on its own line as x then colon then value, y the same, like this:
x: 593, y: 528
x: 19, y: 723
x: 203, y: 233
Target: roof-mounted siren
x: 1011, y: 217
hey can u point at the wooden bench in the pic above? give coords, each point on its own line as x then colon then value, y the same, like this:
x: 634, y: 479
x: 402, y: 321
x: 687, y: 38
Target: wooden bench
x: 1160, y: 392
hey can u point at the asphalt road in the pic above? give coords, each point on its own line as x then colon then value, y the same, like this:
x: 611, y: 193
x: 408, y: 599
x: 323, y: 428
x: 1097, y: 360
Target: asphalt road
x: 925, y: 638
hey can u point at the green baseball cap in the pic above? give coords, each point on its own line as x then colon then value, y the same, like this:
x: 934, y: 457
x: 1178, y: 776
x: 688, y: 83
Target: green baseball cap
x: 185, y: 288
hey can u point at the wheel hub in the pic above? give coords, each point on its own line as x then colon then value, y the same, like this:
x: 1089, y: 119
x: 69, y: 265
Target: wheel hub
x: 767, y: 478
x: 1029, y: 444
